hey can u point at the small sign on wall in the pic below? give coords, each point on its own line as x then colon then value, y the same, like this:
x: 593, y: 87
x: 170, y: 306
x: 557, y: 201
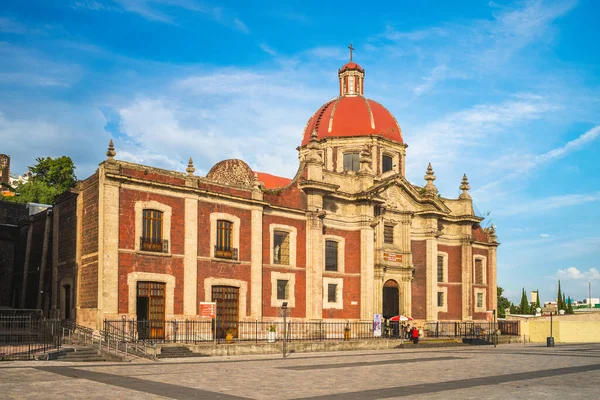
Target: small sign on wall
x: 393, y: 257
x: 208, y: 309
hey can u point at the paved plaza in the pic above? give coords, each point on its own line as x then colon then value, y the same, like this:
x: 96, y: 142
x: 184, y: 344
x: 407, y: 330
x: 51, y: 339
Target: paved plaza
x: 507, y: 372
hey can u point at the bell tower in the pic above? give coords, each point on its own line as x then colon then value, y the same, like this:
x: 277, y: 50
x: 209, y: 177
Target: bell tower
x: 352, y: 78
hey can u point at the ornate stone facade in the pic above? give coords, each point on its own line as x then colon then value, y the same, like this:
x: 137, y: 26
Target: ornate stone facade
x: 347, y: 237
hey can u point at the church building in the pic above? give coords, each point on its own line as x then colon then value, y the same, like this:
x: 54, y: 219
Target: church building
x: 347, y: 237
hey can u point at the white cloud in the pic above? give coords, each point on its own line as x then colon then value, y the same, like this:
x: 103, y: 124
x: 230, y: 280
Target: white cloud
x: 548, y: 204
x: 544, y: 235
x: 269, y: 50
x: 429, y: 81
x: 573, y: 273
x: 10, y: 25
x: 240, y: 26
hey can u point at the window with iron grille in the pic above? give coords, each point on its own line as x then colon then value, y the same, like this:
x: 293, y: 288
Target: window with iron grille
x: 331, y: 255
x: 332, y: 293
x: 440, y: 268
x: 152, y: 231
x: 479, y: 271
x: 281, y: 247
x: 386, y: 164
x: 440, y: 299
x: 388, y: 234
x: 479, y: 300
x: 283, y: 292
x: 224, y: 232
x: 351, y: 162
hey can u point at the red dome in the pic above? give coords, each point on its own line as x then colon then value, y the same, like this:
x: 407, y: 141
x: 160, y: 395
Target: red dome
x: 352, y: 65
x: 352, y: 116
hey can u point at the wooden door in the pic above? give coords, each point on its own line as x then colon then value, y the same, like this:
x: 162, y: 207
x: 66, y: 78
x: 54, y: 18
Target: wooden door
x: 151, y: 310
x: 227, y: 299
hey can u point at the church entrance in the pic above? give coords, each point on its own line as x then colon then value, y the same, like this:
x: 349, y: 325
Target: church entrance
x: 150, y: 308
x: 227, y: 299
x: 391, y: 299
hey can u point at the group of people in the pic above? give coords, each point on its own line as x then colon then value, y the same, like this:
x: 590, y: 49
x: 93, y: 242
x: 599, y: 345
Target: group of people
x: 410, y: 332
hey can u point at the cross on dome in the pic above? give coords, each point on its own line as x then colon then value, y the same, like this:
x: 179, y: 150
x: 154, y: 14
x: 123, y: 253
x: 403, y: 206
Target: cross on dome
x: 352, y: 77
x: 351, y: 48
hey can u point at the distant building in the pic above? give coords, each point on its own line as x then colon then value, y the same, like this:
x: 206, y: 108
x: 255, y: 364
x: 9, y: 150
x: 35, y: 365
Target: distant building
x: 4, y: 169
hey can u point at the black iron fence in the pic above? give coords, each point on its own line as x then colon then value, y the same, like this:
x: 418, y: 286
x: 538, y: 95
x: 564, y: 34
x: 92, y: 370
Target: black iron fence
x: 470, y: 329
x: 187, y: 331
x: 23, y: 336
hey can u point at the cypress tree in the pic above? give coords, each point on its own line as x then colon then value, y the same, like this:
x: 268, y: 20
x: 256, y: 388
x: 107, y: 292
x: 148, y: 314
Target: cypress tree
x: 513, y: 309
x: 570, y: 307
x: 537, y: 303
x: 559, y: 304
x: 524, y: 306
x: 564, y: 303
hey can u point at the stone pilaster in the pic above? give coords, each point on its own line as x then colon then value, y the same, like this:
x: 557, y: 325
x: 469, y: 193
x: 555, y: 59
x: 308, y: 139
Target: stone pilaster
x: 314, y: 266
x: 467, y: 279
x: 367, y: 273
x: 256, y: 263
x: 378, y: 279
x: 190, y: 261
x: 55, y: 243
x: 493, y: 285
x: 108, y: 249
x: 406, y: 297
x: 26, y: 264
x: 431, y: 278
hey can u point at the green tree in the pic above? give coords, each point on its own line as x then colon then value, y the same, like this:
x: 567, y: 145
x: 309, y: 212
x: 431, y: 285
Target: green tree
x: 564, y: 303
x: 503, y: 303
x: 559, y: 303
x: 570, y: 307
x: 524, y: 305
x: 513, y: 309
x: 51, y: 177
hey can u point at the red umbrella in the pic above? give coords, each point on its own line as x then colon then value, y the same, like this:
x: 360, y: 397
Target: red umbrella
x: 400, y: 318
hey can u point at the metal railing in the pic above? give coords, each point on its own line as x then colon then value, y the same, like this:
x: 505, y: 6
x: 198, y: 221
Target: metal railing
x: 155, y: 245
x: 194, y: 331
x: 24, y: 336
x: 470, y: 329
x: 229, y: 254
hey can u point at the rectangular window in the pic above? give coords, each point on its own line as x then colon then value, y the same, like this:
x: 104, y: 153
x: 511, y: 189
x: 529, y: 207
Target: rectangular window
x: 479, y: 271
x: 224, y: 230
x: 440, y: 269
x: 281, y: 247
x: 351, y: 162
x: 386, y: 164
x: 440, y: 299
x: 152, y: 231
x: 388, y: 234
x: 479, y: 300
x: 331, y: 255
x: 332, y: 293
x: 282, y: 289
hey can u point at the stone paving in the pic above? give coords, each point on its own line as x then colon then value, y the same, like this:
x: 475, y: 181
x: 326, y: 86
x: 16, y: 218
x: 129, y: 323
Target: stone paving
x: 507, y: 372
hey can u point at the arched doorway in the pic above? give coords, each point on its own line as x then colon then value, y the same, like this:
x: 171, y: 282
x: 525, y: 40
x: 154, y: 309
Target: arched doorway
x: 391, y: 299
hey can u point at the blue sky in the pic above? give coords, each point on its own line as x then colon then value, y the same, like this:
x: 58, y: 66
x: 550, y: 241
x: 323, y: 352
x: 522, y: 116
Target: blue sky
x: 507, y: 92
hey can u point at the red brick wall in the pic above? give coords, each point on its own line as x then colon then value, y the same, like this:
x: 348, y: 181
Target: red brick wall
x: 300, y: 238
x: 245, y: 216
x: 88, y: 286
x: 299, y: 310
x: 129, y: 262
x: 223, y: 270
x: 419, y: 301
x: 127, y: 200
x: 350, y: 293
x: 291, y: 197
x: 454, y: 262
x: 246, y: 194
x: 352, y: 249
x: 454, y: 299
x: 150, y: 174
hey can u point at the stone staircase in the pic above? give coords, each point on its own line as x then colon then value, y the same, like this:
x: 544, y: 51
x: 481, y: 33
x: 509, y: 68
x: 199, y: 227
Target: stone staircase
x: 80, y: 354
x: 178, y: 351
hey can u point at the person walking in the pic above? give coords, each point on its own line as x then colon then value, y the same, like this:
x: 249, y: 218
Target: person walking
x: 407, y: 332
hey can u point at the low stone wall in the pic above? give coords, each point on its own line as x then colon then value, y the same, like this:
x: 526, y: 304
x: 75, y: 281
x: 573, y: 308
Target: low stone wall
x: 565, y: 328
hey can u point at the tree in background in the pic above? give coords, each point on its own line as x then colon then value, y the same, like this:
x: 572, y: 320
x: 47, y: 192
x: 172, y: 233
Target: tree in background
x: 51, y: 177
x: 564, y: 303
x: 503, y: 304
x: 537, y: 303
x: 570, y: 306
x: 559, y: 303
x: 524, y: 306
x: 513, y: 309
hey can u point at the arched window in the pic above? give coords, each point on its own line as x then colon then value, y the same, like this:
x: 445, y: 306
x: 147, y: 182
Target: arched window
x: 387, y: 164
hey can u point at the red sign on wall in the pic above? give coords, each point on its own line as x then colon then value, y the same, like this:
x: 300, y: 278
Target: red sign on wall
x: 208, y: 310
x: 392, y: 257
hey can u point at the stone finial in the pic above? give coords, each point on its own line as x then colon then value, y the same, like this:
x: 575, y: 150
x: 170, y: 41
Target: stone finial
x: 313, y: 146
x: 492, y: 234
x: 430, y: 177
x: 190, y: 168
x: 255, y: 181
x: 464, y: 186
x: 111, y: 153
